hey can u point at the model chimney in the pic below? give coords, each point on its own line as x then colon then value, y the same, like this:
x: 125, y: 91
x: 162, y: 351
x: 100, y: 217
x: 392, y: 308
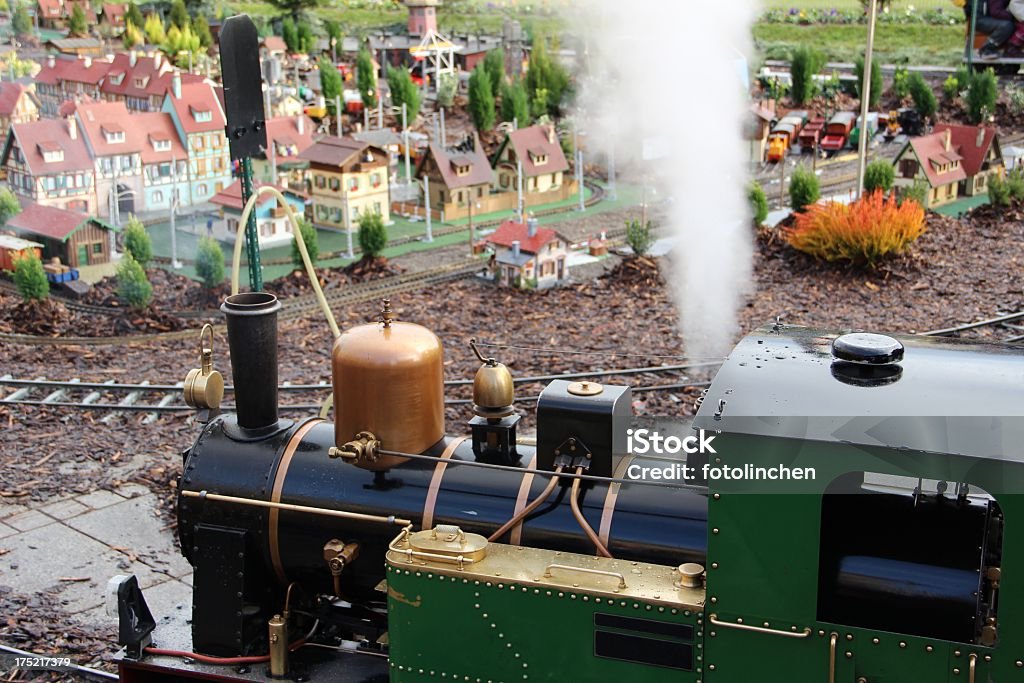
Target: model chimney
x: 133, y: 57
x: 88, y: 62
x: 176, y: 84
x: 947, y: 139
x: 551, y: 135
x: 515, y: 248
x: 300, y: 124
x: 981, y: 137
x: 51, y: 61
x: 157, y: 59
x: 72, y: 126
x: 531, y: 226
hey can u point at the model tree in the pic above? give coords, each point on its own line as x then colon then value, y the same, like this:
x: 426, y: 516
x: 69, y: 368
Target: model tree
x: 879, y: 175
x: 294, y: 8
x: 805, y: 64
x: 515, y: 105
x: 21, y: 22
x: 981, y: 96
x: 638, y: 236
x: 9, y: 206
x: 132, y: 36
x: 306, y: 39
x: 804, y: 189
x: 447, y: 85
x: 179, y: 15
x: 921, y: 92
x: 546, y: 81
x: 132, y: 286
x: 78, y: 25
x: 210, y: 262
x: 30, y: 279
x: 758, y: 202
x: 137, y: 242
x: 201, y: 29
x: 134, y: 15
x: 373, y: 236
x: 312, y: 241
x: 366, y: 78
x: 404, y: 91
x: 154, y: 29
x: 481, y: 101
x: 494, y: 65
x: 875, y: 96
x: 330, y: 82
x: 290, y: 35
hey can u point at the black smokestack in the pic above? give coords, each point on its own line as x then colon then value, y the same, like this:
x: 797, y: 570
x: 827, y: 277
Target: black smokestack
x: 252, y: 337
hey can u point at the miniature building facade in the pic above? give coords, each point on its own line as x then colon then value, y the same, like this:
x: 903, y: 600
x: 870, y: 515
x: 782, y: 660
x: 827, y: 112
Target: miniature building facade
x: 458, y: 175
x: 272, y: 223
x: 47, y: 162
x: 346, y: 179
x: 528, y: 256
x: 933, y: 159
x: 982, y: 156
x: 76, y: 239
x: 17, y: 105
x: 200, y: 121
x: 543, y: 162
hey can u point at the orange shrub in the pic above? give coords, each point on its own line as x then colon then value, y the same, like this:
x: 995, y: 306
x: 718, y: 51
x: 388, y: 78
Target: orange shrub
x: 862, y: 232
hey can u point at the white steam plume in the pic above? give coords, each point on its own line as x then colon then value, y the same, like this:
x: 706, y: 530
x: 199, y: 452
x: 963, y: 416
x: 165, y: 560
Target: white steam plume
x: 671, y: 72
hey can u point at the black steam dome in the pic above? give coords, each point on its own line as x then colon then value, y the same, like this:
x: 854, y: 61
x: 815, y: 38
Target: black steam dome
x: 865, y: 347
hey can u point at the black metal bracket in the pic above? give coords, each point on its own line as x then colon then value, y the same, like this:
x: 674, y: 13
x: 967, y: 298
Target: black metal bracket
x: 135, y: 622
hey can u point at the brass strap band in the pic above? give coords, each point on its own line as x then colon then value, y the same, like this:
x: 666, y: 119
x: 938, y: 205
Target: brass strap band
x: 610, y: 498
x: 435, y: 483
x: 275, y: 496
x: 524, y: 493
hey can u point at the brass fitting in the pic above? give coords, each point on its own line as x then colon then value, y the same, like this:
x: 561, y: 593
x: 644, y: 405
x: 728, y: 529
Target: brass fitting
x: 277, y: 636
x: 365, y: 448
x: 493, y: 388
x: 338, y: 555
x: 204, y: 386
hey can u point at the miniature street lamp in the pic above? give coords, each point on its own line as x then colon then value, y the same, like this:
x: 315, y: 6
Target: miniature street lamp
x: 472, y: 205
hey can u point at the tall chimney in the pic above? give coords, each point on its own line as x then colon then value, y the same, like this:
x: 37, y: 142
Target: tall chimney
x: 300, y: 124
x: 157, y: 60
x: 72, y: 126
x: 252, y: 338
x: 176, y: 84
x: 531, y: 226
x: 551, y: 135
x: 947, y: 139
x: 981, y: 137
x: 51, y: 61
x: 515, y: 248
x: 133, y: 57
x: 88, y: 62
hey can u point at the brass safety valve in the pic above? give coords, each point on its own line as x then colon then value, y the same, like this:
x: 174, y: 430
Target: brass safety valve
x: 204, y: 386
x: 338, y: 555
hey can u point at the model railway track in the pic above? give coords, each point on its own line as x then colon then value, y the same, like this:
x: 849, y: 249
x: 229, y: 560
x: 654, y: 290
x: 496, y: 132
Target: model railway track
x: 153, y: 400
x: 1010, y: 322
x: 597, y: 194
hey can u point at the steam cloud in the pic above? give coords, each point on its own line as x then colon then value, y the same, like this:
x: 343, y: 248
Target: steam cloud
x: 671, y: 73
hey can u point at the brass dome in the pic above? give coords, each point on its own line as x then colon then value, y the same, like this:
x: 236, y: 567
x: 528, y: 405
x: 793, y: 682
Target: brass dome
x: 493, y: 391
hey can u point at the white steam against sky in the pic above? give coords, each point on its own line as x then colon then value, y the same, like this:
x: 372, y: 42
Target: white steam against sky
x: 670, y: 71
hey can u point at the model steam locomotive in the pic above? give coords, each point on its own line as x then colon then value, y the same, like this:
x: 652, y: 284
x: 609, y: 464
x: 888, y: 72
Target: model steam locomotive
x: 378, y: 547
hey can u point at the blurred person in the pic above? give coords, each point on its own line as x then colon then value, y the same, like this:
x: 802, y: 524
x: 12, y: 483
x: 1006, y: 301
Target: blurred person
x: 993, y: 19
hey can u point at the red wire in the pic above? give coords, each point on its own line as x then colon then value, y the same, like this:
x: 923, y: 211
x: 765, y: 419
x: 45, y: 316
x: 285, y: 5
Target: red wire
x: 206, y: 659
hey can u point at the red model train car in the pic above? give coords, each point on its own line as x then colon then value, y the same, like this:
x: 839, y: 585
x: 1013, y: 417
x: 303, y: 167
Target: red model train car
x: 837, y: 132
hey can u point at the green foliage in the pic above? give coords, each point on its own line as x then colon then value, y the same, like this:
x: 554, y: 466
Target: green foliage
x: 179, y: 15
x: 78, y: 25
x: 330, y: 81
x: 494, y: 65
x: 210, y: 262
x: 638, y: 236
x: 879, y: 175
x: 404, y: 91
x: 201, y: 29
x: 901, y: 82
x: 964, y: 76
x: 134, y: 15
x: 804, y: 188
x: 1015, y: 182
x: 290, y: 35
x: 154, y: 29
x: 181, y: 45
x: 333, y: 29
x: 950, y: 88
x: 373, y: 236
x: 998, y: 192
x: 137, y: 242
x: 294, y: 8
x: 4, y: 6
x: 515, y: 105
x: 547, y: 81
x: 9, y: 206
x: 132, y: 36
x: 311, y: 239
x: 833, y: 87
x: 924, y: 98
x: 981, y: 96
x: 875, y: 96
x: 132, y: 286
x: 21, y: 22
x: 481, y: 101
x: 306, y: 39
x: 30, y: 278
x: 918, y: 192
x: 447, y: 86
x: 758, y: 202
x: 806, y: 62
x: 1016, y: 100
x: 366, y: 78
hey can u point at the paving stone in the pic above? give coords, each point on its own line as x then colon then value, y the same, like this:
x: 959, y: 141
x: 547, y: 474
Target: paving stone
x: 187, y: 579
x: 39, y: 558
x: 100, y: 499
x: 26, y: 521
x: 11, y: 509
x: 171, y: 597
x: 64, y: 509
x: 6, y: 530
x: 131, y: 490
x: 133, y: 525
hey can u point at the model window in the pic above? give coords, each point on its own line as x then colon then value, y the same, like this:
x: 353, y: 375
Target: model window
x: 943, y: 542
x: 335, y: 184
x: 97, y: 248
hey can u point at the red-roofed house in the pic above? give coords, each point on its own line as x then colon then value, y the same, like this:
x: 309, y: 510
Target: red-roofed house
x: 56, y: 14
x: 115, y: 142
x: 529, y: 256
x: 140, y: 81
x: 72, y: 236
x: 114, y: 17
x: 458, y: 175
x: 199, y: 119
x: 287, y: 138
x: 17, y: 105
x: 272, y: 220
x: 346, y: 178
x: 62, y: 79
x: 981, y: 152
x: 48, y: 162
x: 164, y: 162
x: 543, y: 161
x: 934, y: 160
x: 273, y: 46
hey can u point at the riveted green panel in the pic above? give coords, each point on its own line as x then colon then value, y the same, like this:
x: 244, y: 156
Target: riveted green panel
x: 443, y: 627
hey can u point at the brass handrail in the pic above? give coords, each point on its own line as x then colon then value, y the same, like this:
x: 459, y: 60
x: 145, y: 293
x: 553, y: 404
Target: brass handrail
x: 713, y: 618
x: 972, y: 665
x: 584, y: 570
x: 832, y: 657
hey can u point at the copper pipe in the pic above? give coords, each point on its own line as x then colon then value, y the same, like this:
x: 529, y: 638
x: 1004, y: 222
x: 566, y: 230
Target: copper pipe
x: 537, y: 502
x: 578, y: 514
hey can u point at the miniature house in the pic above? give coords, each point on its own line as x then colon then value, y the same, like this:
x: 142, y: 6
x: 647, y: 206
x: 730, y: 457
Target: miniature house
x: 272, y: 223
x: 528, y: 256
x: 933, y: 159
x: 981, y: 154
